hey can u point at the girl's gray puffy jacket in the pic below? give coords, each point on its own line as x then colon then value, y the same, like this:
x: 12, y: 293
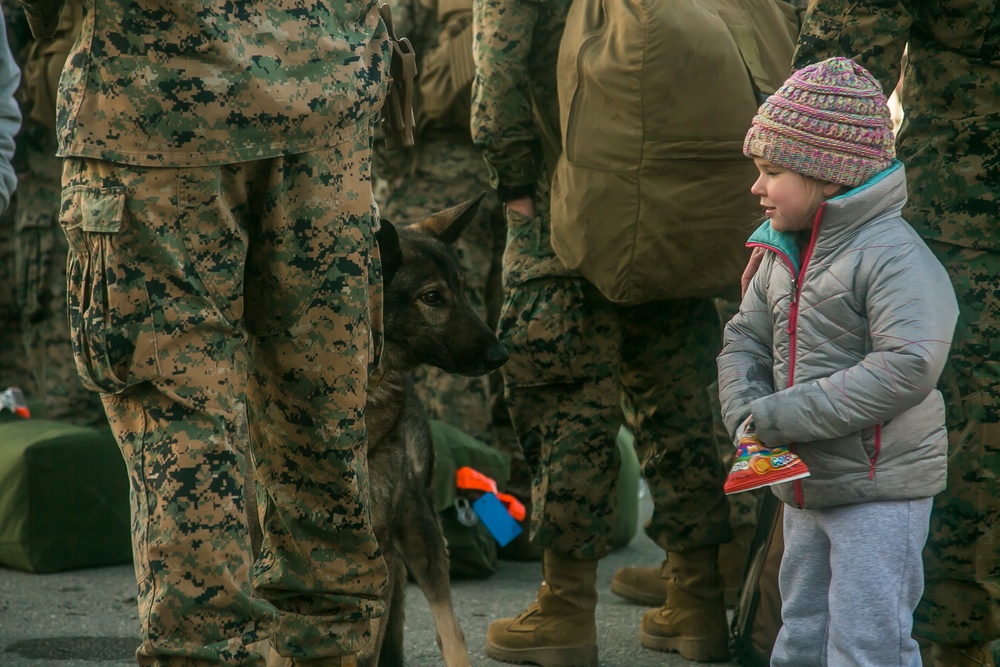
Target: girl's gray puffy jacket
x: 839, y: 351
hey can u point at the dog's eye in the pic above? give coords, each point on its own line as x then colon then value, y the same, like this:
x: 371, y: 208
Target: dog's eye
x: 431, y: 297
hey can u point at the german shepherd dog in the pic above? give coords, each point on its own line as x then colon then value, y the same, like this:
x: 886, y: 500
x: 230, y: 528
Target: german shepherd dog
x: 426, y: 320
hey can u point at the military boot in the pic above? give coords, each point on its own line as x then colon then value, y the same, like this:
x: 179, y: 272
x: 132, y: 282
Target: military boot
x: 559, y: 628
x: 645, y: 585
x: 693, y: 621
x: 958, y: 655
x: 648, y: 585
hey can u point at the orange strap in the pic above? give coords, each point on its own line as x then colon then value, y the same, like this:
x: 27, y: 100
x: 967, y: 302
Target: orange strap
x: 472, y: 479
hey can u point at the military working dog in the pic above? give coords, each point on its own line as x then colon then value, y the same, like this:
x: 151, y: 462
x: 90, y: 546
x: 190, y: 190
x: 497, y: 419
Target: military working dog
x: 426, y: 320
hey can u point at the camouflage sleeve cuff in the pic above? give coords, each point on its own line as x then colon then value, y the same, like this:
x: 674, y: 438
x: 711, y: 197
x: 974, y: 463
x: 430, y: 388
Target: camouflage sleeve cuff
x: 43, y: 16
x: 513, y: 177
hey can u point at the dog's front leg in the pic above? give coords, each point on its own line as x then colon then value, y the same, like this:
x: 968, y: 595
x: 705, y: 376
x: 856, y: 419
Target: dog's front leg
x: 426, y: 555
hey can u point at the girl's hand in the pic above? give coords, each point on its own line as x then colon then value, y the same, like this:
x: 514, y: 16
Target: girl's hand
x: 523, y: 205
x: 748, y: 273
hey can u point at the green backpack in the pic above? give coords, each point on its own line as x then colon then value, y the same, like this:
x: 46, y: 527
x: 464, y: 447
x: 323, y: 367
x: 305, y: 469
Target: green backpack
x: 651, y: 194
x: 472, y: 551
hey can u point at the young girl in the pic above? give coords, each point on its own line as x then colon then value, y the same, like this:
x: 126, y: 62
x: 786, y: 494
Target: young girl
x: 835, y: 352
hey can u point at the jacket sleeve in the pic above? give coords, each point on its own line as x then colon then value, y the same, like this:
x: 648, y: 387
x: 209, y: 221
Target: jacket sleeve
x: 912, y: 311
x: 872, y: 32
x: 746, y: 362
x: 10, y: 117
x: 503, y: 125
x: 43, y: 16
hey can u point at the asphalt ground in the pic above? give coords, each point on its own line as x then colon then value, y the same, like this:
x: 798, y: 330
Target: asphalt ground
x: 87, y: 618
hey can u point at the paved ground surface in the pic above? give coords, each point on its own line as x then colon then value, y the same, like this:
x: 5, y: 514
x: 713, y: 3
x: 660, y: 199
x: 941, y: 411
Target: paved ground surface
x: 88, y: 617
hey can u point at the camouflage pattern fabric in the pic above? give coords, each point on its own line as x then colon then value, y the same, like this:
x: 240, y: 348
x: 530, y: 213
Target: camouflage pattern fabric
x: 224, y: 293
x: 41, y: 285
x: 949, y: 141
x: 445, y: 169
x: 579, y: 365
x: 225, y: 88
x: 961, y: 601
x: 41, y: 246
x: 205, y: 319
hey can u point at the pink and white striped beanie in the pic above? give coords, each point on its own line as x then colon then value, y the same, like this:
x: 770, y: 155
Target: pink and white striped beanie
x: 829, y: 121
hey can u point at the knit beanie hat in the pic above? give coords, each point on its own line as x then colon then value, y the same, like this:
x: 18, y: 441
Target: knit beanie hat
x: 829, y: 121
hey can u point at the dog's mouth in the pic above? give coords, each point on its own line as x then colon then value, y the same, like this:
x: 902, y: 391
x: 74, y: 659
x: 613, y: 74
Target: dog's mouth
x: 474, y: 365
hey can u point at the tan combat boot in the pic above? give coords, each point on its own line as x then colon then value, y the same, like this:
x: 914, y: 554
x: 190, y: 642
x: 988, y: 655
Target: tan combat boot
x: 958, y: 655
x: 559, y: 628
x: 693, y: 621
x: 645, y: 585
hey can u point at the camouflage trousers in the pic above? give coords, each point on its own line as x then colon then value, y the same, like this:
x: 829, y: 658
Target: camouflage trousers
x: 41, y: 285
x: 580, y: 367
x: 230, y: 316
x: 961, y: 601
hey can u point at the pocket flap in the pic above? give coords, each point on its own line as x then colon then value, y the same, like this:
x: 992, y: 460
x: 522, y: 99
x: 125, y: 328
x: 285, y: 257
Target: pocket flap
x: 99, y: 210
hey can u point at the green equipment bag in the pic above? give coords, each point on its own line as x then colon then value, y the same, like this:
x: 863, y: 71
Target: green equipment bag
x: 472, y: 551
x: 651, y: 192
x: 64, y: 497
x: 629, y: 474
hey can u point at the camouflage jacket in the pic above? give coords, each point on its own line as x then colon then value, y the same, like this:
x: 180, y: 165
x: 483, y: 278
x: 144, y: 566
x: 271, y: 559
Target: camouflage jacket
x: 516, y: 48
x: 950, y: 138
x: 176, y: 83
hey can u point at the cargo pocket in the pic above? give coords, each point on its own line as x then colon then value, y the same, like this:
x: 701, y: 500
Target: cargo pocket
x: 114, y: 341
x: 544, y: 325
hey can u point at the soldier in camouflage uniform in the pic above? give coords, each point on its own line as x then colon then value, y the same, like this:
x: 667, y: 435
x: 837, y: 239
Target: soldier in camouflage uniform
x: 41, y: 244
x: 950, y: 143
x: 224, y: 293
x: 443, y: 169
x: 576, y: 361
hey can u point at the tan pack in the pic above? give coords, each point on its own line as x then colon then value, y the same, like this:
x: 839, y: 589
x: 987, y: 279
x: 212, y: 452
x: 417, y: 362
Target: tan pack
x: 447, y: 69
x: 651, y: 194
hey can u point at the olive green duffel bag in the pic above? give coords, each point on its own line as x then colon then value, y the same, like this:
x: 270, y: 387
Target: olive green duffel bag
x: 63, y: 497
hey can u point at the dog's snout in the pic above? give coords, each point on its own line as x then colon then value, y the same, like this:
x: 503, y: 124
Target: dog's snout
x: 496, y: 356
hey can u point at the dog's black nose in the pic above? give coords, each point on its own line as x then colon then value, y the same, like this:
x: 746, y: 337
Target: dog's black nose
x: 496, y: 356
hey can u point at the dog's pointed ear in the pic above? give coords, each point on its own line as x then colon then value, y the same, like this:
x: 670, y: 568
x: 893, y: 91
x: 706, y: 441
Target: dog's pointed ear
x: 388, y: 248
x: 449, y: 224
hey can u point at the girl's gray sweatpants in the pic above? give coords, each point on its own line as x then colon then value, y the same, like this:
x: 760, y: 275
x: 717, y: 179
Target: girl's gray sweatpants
x: 850, y: 579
